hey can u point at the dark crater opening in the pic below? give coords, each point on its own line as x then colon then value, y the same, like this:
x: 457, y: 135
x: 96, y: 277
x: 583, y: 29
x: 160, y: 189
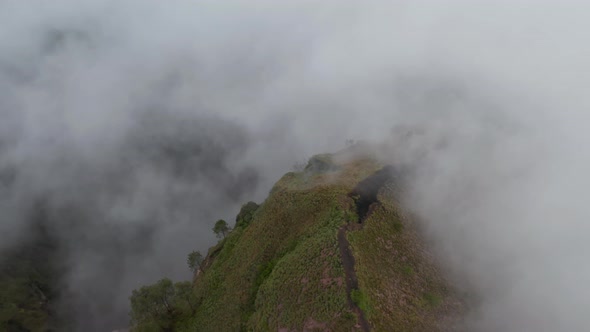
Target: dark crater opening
x: 365, y: 192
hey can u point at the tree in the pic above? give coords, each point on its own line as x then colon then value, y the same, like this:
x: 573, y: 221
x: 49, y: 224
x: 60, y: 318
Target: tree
x: 221, y: 229
x: 154, y: 305
x: 246, y: 214
x: 161, y: 306
x: 185, y: 295
x: 194, y: 261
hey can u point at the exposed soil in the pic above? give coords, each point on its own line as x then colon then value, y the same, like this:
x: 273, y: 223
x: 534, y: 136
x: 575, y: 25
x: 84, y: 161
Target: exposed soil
x: 351, y: 280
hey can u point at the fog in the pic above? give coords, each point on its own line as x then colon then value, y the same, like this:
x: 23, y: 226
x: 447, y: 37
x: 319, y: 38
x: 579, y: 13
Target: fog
x: 134, y: 125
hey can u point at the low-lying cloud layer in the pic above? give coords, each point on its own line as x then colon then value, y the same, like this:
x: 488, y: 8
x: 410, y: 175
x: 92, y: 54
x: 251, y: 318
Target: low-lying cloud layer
x: 134, y: 125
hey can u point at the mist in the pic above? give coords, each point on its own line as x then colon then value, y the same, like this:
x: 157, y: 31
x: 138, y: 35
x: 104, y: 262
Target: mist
x: 128, y: 127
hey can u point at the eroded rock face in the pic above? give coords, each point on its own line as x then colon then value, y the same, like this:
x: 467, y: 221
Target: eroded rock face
x: 365, y: 193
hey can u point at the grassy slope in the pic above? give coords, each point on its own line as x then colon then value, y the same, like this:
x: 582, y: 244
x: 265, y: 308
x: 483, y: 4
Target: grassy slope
x: 401, y: 288
x: 284, y: 272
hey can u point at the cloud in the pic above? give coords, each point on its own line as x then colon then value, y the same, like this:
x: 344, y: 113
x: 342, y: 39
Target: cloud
x: 136, y: 124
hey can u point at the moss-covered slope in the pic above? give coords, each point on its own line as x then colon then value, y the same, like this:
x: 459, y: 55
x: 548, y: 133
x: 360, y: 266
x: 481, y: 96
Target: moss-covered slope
x: 329, y: 250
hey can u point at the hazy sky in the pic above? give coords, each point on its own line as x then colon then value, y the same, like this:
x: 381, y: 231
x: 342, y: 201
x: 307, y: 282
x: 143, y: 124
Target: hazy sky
x: 137, y: 124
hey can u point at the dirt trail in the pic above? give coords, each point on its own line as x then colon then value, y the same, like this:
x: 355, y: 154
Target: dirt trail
x: 351, y: 280
x: 365, y: 197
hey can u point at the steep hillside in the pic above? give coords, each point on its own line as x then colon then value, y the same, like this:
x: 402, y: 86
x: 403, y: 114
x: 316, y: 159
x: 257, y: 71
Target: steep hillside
x: 329, y: 250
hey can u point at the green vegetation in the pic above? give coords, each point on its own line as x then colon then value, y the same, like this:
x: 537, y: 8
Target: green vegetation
x: 244, y: 218
x: 27, y: 277
x: 281, y: 267
x: 221, y: 229
x: 194, y: 261
x: 402, y: 288
x: 161, y: 306
x: 360, y: 299
x: 265, y: 271
x: 432, y: 299
x: 321, y: 163
x: 24, y: 296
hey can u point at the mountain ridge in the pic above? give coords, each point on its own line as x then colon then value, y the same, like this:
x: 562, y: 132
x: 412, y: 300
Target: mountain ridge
x: 330, y: 249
